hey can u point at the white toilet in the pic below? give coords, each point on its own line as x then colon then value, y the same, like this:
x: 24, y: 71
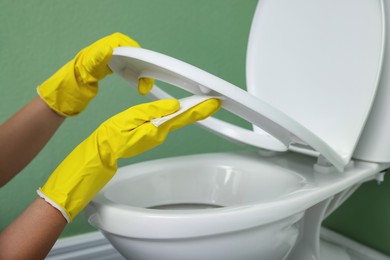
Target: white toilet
x: 318, y: 97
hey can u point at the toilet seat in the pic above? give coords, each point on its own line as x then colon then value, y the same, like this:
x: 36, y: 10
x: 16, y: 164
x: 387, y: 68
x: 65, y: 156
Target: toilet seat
x: 299, y: 48
x: 277, y: 75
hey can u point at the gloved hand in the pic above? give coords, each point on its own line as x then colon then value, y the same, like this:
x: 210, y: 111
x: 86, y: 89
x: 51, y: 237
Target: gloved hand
x: 94, y: 161
x: 71, y: 88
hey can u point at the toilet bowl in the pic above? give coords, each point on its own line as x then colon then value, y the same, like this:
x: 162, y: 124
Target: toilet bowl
x: 216, y: 206
x: 311, y: 101
x: 175, y: 206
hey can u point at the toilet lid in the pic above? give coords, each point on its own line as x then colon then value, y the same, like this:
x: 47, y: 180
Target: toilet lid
x: 328, y: 85
x: 318, y: 62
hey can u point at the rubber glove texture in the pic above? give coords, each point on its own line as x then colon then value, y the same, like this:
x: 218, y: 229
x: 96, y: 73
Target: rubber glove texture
x: 71, y: 88
x: 94, y: 161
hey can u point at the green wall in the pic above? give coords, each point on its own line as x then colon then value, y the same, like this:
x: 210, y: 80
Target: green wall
x: 38, y: 37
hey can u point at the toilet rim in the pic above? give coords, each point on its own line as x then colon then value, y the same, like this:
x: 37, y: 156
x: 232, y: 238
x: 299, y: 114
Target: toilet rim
x: 173, y: 224
x: 108, y: 216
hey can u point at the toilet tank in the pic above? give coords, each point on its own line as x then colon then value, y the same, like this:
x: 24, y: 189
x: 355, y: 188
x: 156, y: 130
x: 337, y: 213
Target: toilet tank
x: 374, y: 143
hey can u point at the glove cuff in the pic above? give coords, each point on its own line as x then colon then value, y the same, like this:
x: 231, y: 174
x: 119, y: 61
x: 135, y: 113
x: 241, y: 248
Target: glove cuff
x: 55, y: 205
x: 77, y: 179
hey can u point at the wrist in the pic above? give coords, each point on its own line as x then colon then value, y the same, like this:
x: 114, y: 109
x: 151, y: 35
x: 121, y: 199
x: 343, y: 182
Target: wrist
x: 63, y: 212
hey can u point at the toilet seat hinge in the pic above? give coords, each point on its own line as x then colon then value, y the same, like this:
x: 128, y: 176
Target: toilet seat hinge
x: 324, y: 166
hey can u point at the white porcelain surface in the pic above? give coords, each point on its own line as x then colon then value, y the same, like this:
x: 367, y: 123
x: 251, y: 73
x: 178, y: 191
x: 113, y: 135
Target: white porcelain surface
x: 217, y: 184
x: 319, y: 62
x: 314, y: 81
x: 374, y: 144
x: 242, y: 206
x: 271, y: 242
x: 132, y: 63
x: 261, y: 198
x: 171, y: 209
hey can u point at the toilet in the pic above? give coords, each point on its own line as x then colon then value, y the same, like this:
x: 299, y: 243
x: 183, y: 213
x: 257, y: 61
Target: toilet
x: 318, y: 97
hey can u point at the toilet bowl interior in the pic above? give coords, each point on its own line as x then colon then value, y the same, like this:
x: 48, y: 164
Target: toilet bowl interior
x: 201, y: 184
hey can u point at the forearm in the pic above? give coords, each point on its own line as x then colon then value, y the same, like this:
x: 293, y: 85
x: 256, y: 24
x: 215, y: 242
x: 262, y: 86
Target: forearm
x: 33, y: 233
x: 24, y: 135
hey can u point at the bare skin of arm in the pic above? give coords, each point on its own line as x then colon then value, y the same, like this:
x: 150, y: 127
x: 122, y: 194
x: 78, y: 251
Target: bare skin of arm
x: 24, y: 135
x: 34, y: 232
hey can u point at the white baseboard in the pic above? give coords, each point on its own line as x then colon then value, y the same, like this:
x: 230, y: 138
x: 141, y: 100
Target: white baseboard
x: 95, y: 246
x: 355, y: 250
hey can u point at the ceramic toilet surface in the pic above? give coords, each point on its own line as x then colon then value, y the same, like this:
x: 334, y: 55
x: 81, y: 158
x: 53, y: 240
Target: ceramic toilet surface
x: 198, y: 185
x: 201, y: 185
x: 286, y: 75
x: 133, y: 63
x: 185, y: 198
x: 244, y: 206
x: 172, y: 209
x: 321, y: 71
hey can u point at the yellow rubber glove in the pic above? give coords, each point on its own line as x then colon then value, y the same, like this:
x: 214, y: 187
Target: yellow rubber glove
x: 94, y: 162
x: 71, y: 88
